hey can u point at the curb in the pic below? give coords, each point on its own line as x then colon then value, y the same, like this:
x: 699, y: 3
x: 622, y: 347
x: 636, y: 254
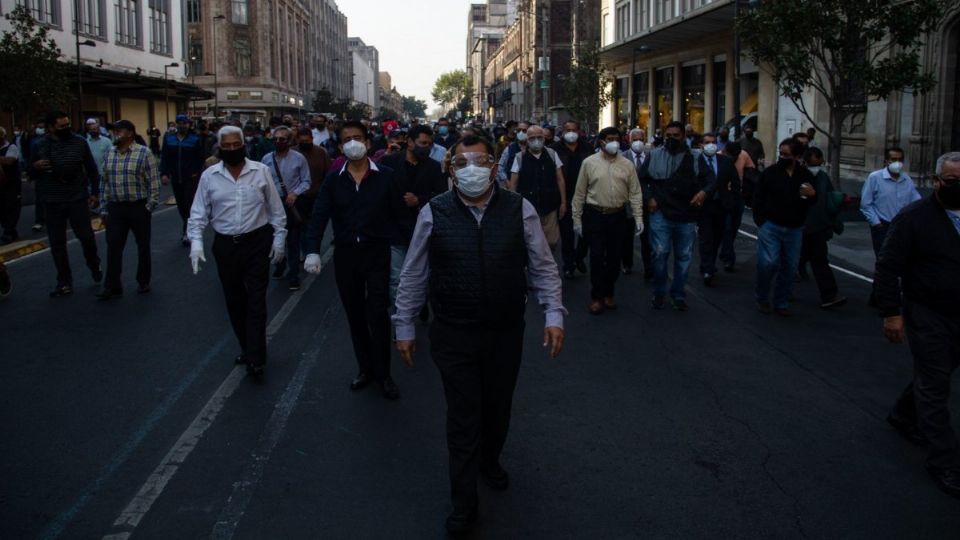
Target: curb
x: 16, y: 250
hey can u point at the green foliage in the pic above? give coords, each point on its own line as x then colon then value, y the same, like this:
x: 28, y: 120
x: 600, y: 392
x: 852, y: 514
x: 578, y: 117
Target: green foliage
x: 585, y: 91
x: 31, y: 70
x: 386, y: 113
x: 323, y: 101
x: 416, y: 108
x: 454, y: 88
x: 356, y: 111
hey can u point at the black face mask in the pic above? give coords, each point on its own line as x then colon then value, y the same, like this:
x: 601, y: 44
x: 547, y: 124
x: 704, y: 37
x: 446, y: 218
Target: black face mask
x: 421, y: 152
x: 674, y: 146
x: 62, y: 133
x: 949, y: 195
x: 305, y: 147
x: 233, y: 157
x: 785, y: 163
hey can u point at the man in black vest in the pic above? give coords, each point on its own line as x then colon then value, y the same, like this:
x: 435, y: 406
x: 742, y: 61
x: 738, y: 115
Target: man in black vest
x: 537, y: 174
x: 470, y: 248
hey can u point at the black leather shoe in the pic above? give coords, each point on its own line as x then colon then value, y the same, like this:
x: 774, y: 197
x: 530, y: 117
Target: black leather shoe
x: 256, y: 370
x: 390, y: 390
x: 708, y: 279
x: 61, y: 291
x: 948, y: 480
x: 360, y: 381
x: 109, y: 294
x: 658, y: 301
x: 627, y: 270
x: 495, y: 477
x: 461, y: 521
x: 908, y: 430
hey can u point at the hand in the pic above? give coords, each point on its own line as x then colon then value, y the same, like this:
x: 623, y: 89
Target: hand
x: 164, y: 179
x: 196, y: 255
x: 93, y: 201
x: 697, y: 200
x: 806, y: 190
x: 291, y: 198
x: 406, y: 349
x: 893, y: 329
x: 42, y: 165
x: 410, y: 199
x: 312, y: 263
x: 553, y: 337
x: 562, y: 211
x: 652, y: 206
x: 639, y: 228
x: 578, y: 230
x: 276, y: 255
x: 152, y: 205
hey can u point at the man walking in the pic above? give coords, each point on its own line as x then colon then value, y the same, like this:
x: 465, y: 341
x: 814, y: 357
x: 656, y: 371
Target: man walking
x: 784, y: 194
x: 537, y: 175
x: 677, y: 182
x: 469, y: 252
x: 918, y: 295
x: 291, y: 174
x: 822, y: 220
x: 607, y: 182
x: 11, y: 188
x: 510, y: 154
x: 638, y: 156
x: 714, y: 216
x: 70, y: 184
x: 181, y: 162
x: 131, y: 191
x: 364, y: 202
x: 99, y: 143
x: 752, y: 146
x: 238, y: 199
x: 884, y: 194
x: 571, y: 150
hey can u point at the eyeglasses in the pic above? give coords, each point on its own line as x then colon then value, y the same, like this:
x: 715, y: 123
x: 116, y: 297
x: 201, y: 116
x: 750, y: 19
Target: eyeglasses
x: 480, y: 159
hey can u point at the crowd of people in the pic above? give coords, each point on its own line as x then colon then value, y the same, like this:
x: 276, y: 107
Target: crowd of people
x: 474, y: 218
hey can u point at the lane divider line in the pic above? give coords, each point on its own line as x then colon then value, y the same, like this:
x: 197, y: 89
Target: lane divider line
x: 840, y: 269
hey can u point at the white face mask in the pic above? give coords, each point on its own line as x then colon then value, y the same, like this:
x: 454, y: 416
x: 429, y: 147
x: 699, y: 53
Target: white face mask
x: 612, y: 147
x: 535, y: 145
x: 571, y: 137
x: 814, y: 170
x: 710, y: 149
x: 355, y: 150
x: 636, y: 146
x: 895, y: 167
x: 473, y: 180
x: 521, y: 136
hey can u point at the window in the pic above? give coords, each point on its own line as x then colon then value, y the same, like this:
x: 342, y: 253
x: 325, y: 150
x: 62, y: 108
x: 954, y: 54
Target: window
x: 622, y: 22
x: 92, y: 18
x: 193, y: 11
x: 664, y: 87
x: 641, y: 100
x: 719, y: 93
x: 239, y: 11
x: 641, y: 10
x: 196, y: 58
x: 621, y: 95
x: 256, y: 95
x: 44, y: 11
x: 664, y: 10
x: 128, y: 22
x: 242, y: 48
x: 233, y: 95
x: 691, y: 103
x: 160, y: 26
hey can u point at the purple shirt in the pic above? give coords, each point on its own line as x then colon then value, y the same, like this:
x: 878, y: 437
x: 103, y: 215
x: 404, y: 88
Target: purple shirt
x: 544, y: 276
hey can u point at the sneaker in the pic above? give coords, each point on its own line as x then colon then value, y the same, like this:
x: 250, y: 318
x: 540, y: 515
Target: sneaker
x: 37, y: 227
x: 680, y: 305
x: 658, y: 302
x: 6, y: 286
x: 61, y: 291
x: 834, y: 302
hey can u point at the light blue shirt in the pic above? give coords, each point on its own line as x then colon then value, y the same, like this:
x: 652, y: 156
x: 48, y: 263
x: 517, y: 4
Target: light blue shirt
x: 99, y: 148
x: 437, y: 153
x: 883, y: 196
x: 293, y: 167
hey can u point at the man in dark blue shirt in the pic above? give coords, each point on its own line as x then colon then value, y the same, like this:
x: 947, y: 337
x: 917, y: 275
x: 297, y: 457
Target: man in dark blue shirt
x: 181, y: 162
x: 363, y: 201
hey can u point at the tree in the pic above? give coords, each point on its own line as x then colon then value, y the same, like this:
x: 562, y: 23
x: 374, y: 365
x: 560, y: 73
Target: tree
x: 357, y: 111
x: 32, y: 73
x: 386, y: 112
x: 323, y: 101
x: 848, y: 53
x: 454, y: 89
x: 585, y: 91
x: 416, y: 108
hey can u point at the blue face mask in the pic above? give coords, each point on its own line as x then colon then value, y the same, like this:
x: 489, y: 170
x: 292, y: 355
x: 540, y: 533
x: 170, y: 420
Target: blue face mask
x: 443, y: 131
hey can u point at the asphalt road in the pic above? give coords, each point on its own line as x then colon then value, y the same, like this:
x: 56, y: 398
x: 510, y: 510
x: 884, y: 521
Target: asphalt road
x: 129, y: 418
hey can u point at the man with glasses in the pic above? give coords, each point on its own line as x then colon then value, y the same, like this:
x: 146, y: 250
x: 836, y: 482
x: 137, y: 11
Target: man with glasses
x: 917, y: 288
x: 469, y: 252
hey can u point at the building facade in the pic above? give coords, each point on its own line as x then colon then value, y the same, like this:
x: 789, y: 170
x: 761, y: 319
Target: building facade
x: 131, y: 61
x: 366, y: 70
x: 330, y: 59
x: 486, y: 24
x: 391, y: 102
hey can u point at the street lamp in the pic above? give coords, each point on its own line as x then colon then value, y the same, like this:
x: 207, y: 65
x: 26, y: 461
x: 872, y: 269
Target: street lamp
x: 216, y: 69
x: 88, y: 43
x: 166, y: 89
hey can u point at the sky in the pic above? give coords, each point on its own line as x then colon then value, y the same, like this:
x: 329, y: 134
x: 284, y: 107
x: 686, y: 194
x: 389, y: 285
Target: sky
x: 413, y: 64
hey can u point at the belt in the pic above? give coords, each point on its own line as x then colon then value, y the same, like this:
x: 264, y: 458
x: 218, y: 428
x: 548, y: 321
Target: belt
x: 604, y: 209
x: 238, y: 238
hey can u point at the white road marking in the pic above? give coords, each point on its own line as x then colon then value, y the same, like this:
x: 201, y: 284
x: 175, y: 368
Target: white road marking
x: 850, y: 273
x: 153, y: 487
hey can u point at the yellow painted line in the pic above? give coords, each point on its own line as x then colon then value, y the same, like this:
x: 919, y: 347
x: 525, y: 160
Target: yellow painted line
x: 22, y: 250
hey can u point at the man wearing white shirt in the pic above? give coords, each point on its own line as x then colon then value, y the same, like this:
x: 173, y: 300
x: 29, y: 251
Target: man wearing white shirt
x: 238, y: 198
x: 320, y: 132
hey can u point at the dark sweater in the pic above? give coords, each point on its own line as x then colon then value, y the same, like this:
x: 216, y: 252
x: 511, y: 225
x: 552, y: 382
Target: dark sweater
x: 921, y: 252
x: 423, y: 180
x: 73, y: 174
x: 778, y: 200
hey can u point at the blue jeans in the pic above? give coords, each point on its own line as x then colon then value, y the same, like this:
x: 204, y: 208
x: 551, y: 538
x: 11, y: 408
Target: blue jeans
x: 397, y: 255
x: 778, y: 252
x: 667, y: 235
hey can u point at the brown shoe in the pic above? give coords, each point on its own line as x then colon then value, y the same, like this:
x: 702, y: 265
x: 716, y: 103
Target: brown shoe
x: 609, y: 303
x: 596, y: 307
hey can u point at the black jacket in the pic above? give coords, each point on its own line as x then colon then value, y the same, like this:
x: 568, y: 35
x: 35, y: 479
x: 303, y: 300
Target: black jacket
x: 364, y: 213
x: 778, y: 200
x: 428, y: 183
x: 921, y: 252
x: 571, y: 160
x: 728, y: 187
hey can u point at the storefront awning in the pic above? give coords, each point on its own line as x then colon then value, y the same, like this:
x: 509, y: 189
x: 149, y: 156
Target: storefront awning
x: 104, y: 81
x: 680, y: 32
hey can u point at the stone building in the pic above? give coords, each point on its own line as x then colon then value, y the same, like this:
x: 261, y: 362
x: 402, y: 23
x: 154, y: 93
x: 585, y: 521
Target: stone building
x: 366, y: 70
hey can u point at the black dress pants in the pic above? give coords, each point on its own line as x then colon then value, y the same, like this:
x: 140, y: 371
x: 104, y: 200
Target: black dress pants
x: 10, y: 204
x: 604, y: 234
x: 362, y: 271
x: 878, y: 234
x: 184, y: 190
x: 572, y: 249
x: 77, y: 214
x: 479, y: 368
x: 710, y: 229
x: 124, y: 217
x: 814, y: 251
x: 935, y: 344
x: 243, y: 265
x: 731, y: 226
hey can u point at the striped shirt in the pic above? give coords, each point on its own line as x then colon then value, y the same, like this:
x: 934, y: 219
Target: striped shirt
x: 73, y: 173
x: 130, y: 175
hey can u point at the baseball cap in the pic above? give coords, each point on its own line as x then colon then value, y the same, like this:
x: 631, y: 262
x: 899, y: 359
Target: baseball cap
x: 183, y: 118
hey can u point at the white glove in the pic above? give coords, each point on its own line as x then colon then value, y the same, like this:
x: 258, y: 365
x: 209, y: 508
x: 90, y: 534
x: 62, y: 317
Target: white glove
x: 639, y: 228
x: 196, y: 255
x: 276, y: 255
x: 312, y: 263
x: 578, y: 230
